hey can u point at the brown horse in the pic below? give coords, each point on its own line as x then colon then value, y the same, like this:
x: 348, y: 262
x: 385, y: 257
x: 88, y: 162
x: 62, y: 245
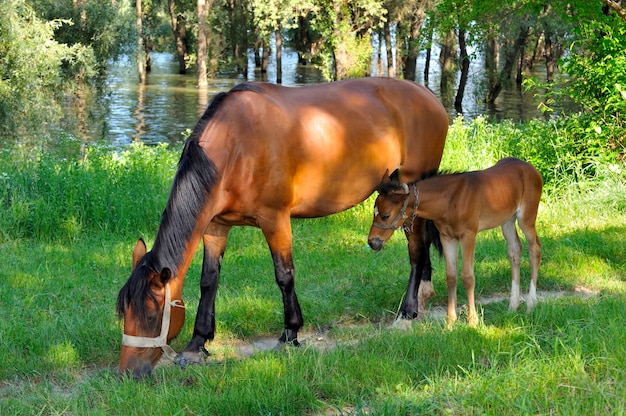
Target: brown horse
x: 461, y: 205
x: 260, y: 155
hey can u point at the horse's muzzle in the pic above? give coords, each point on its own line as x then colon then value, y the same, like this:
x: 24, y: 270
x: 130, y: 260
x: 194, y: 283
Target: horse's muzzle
x: 139, y: 370
x: 376, y: 243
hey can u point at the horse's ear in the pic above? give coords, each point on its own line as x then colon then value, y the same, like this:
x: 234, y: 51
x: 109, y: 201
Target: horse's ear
x: 165, y: 276
x: 138, y: 252
x: 395, y: 177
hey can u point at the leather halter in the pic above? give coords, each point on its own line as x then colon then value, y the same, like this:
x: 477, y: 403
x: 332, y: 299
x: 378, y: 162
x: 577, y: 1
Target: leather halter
x: 402, y: 215
x: 161, y: 340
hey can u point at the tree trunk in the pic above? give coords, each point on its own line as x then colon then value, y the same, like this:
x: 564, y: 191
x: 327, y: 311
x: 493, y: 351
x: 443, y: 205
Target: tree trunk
x: 302, y: 41
x: 202, y: 42
x: 417, y: 21
x: 387, y: 33
x: 548, y: 33
x: 520, y: 65
x: 340, y: 52
x: 509, y: 62
x: 429, y: 49
x: 265, y: 57
x: 279, y: 54
x: 141, y: 50
x: 465, y: 64
x: 447, y: 62
x: 492, y: 60
x: 549, y: 60
x: 180, y: 35
x: 243, y: 51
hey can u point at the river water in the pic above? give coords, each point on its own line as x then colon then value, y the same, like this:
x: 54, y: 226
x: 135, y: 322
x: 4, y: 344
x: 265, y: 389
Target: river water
x: 169, y: 104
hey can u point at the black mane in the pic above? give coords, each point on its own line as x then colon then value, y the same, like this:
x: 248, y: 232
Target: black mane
x: 192, y: 186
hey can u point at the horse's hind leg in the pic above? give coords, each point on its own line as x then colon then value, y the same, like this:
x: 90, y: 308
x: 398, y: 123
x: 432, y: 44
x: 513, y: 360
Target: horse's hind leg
x: 204, y: 329
x: 514, y: 248
x: 534, y: 251
x: 277, y: 232
x: 450, y: 251
x: 468, y: 246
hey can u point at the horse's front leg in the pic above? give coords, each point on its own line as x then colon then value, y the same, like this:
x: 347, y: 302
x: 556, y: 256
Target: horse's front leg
x: 204, y: 329
x: 277, y: 232
x: 420, y: 288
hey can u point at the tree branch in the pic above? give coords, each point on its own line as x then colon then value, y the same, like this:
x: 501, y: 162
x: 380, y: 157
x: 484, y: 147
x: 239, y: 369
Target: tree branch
x: 616, y: 6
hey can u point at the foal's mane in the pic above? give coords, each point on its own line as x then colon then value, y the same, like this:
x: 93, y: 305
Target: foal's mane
x: 194, y: 180
x: 393, y: 185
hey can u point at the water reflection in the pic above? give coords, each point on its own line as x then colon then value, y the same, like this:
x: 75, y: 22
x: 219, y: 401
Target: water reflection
x: 169, y: 104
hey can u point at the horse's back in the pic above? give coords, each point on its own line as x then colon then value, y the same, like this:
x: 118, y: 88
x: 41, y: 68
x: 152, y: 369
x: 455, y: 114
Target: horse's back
x: 322, y: 149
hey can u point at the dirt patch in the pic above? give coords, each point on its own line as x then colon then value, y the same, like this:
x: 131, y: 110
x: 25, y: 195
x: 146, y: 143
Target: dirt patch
x: 323, y: 341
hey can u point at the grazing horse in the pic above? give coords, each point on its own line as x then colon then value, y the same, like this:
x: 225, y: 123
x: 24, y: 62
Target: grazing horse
x: 260, y: 155
x: 461, y: 205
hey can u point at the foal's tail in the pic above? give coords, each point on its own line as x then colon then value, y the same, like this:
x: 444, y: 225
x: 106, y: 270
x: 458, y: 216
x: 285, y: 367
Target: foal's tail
x: 432, y: 237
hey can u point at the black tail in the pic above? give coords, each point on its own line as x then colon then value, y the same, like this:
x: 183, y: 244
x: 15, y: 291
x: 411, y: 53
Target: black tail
x: 432, y: 235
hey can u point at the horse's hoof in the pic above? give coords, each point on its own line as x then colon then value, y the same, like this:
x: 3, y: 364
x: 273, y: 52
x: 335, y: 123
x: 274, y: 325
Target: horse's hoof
x: 282, y: 344
x: 186, y: 358
x: 402, y: 324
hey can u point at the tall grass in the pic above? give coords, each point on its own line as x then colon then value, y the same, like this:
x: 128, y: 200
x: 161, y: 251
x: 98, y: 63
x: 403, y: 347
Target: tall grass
x: 71, y: 214
x: 65, y: 189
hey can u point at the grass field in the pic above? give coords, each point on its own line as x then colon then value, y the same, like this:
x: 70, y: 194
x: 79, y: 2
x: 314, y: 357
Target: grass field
x: 70, y: 220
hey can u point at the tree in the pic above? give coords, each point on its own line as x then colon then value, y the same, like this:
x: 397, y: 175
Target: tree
x: 142, y: 55
x: 202, y: 44
x: 34, y: 68
x: 106, y: 27
x: 179, y: 29
x: 346, y: 27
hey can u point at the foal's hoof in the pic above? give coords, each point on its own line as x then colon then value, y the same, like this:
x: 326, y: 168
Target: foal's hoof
x: 186, y: 358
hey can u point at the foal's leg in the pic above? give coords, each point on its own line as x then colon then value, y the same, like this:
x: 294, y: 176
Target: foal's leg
x: 514, y: 249
x: 534, y: 250
x: 468, y: 245
x: 450, y: 252
x: 204, y: 329
x: 277, y: 231
x: 420, y: 287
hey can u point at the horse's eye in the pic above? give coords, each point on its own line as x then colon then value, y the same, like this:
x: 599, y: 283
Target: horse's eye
x: 385, y: 217
x: 152, y: 319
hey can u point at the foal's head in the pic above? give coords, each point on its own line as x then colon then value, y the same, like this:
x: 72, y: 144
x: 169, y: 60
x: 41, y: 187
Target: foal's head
x: 390, y: 210
x: 142, y: 303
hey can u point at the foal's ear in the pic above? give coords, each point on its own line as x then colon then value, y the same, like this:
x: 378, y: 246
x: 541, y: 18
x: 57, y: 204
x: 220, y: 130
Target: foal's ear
x: 138, y: 252
x: 395, y: 177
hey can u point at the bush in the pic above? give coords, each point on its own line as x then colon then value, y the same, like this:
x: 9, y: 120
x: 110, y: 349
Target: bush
x: 563, y: 150
x: 60, y: 190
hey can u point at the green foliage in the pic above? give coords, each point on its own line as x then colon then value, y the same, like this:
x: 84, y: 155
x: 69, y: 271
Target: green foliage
x: 598, y: 82
x: 59, y: 190
x: 31, y: 68
x: 105, y: 27
x: 557, y: 148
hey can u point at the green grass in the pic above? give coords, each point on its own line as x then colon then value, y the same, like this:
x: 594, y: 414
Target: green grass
x: 67, y: 232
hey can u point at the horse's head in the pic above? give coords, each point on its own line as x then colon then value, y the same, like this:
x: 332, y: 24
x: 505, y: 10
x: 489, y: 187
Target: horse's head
x: 389, y: 210
x: 151, y: 317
